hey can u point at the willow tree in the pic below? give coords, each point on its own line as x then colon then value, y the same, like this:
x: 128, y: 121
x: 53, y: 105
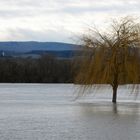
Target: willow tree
x: 113, y: 56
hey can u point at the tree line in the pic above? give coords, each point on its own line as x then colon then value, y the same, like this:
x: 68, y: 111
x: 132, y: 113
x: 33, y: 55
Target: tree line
x: 46, y: 69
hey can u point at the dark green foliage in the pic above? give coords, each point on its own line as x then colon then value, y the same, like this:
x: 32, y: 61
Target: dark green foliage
x: 46, y: 69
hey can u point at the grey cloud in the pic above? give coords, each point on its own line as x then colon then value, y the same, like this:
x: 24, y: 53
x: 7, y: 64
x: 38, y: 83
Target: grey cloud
x: 19, y: 13
x: 22, y: 3
x: 21, y: 8
x: 23, y: 34
x: 28, y: 8
x: 14, y: 13
x: 125, y: 6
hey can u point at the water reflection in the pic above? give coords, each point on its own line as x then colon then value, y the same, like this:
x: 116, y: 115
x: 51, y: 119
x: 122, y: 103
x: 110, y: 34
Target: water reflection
x: 89, y: 109
x: 115, y: 108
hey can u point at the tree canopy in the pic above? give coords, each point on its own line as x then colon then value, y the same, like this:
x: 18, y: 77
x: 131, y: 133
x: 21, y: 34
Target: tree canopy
x: 114, y: 56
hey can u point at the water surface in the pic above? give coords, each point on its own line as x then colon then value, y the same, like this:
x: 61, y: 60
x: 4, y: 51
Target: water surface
x: 49, y: 112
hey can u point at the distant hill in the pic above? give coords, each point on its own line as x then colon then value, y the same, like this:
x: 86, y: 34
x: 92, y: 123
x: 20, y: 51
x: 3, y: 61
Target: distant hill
x: 36, y: 49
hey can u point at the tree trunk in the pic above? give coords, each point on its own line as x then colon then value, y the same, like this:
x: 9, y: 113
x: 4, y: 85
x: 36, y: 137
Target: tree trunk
x: 115, y: 87
x: 114, y: 98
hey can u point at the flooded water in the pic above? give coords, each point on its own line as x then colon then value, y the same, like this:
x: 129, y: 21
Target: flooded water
x: 49, y: 112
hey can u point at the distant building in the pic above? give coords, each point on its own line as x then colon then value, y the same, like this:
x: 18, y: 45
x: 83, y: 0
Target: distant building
x: 3, y: 53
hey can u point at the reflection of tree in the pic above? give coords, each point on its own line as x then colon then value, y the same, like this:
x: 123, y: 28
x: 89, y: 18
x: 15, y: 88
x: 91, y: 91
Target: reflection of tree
x: 115, y: 108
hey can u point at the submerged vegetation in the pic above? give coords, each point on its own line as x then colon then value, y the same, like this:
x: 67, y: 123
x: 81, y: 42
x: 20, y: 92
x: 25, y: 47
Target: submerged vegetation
x: 113, y: 58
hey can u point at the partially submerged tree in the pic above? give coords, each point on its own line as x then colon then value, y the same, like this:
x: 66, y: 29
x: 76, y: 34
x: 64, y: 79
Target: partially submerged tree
x: 114, y: 56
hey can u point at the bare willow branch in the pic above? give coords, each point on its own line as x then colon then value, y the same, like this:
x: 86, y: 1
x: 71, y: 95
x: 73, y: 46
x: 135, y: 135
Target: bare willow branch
x: 115, y: 57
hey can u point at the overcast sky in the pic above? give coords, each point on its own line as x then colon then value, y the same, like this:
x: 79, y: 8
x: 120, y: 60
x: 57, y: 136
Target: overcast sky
x: 58, y: 20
